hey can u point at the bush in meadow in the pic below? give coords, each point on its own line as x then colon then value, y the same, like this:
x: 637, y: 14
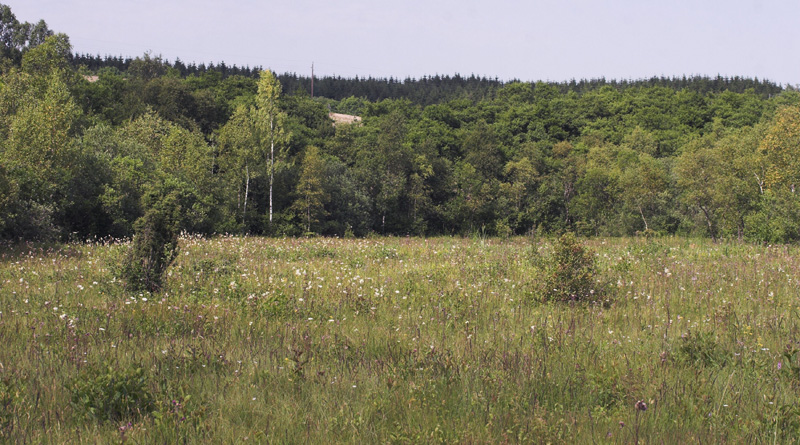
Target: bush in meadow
x: 155, y: 244
x: 572, y: 274
x: 106, y: 393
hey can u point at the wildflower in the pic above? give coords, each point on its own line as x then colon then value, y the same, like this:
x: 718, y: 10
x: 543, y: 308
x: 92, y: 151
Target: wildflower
x: 641, y: 406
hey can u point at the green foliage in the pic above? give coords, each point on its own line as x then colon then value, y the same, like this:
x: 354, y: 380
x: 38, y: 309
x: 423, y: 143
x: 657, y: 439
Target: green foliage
x: 50, y: 56
x: 269, y: 123
x: 155, y: 244
x: 701, y: 348
x: 147, y: 67
x: 81, y: 135
x: 348, y: 204
x: 310, y: 192
x: 107, y: 393
x: 775, y: 219
x: 572, y: 273
x: 780, y: 147
x: 18, y: 38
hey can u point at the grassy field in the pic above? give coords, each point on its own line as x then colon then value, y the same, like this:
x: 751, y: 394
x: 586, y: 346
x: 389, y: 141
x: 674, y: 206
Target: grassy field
x: 400, y: 340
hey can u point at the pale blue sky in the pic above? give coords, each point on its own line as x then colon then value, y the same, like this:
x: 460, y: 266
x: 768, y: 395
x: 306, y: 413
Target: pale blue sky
x: 535, y: 40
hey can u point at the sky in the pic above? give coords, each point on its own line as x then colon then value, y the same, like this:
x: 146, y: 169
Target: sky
x: 555, y: 40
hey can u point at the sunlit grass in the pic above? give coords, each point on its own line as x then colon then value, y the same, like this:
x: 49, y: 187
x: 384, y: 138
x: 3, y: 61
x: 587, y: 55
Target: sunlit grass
x: 406, y: 340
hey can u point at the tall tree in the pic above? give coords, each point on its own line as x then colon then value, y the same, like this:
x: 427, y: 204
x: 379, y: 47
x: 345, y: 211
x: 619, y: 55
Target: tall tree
x: 780, y: 145
x: 310, y: 193
x: 269, y: 121
x: 13, y: 36
x: 52, y: 54
x: 644, y: 186
x: 699, y: 171
x: 239, y: 154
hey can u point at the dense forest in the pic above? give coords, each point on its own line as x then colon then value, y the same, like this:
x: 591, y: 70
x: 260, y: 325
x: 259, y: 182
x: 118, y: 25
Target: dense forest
x: 87, y: 143
x: 430, y: 89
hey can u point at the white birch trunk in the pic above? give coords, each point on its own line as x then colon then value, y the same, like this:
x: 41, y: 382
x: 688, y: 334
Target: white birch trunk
x: 246, y: 192
x: 271, y: 163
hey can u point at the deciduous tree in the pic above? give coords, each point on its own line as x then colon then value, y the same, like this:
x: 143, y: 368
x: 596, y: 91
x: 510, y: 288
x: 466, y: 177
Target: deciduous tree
x: 269, y: 122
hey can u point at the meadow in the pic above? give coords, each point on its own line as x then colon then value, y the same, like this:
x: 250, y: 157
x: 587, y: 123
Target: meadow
x: 400, y: 340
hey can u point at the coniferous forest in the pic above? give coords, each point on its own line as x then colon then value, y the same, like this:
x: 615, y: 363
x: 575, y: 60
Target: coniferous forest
x: 87, y: 141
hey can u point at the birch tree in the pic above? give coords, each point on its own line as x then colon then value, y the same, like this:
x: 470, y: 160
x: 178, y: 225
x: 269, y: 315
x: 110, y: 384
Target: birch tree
x: 238, y: 154
x: 269, y: 122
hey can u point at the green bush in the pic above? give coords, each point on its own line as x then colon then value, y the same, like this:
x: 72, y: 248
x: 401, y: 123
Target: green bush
x: 155, y: 245
x: 572, y: 274
x: 105, y: 393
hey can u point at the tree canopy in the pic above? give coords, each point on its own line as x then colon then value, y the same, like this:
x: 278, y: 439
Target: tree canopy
x: 85, y: 139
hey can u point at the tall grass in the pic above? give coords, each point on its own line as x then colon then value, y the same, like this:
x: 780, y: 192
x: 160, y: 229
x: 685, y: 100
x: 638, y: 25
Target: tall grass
x: 400, y: 340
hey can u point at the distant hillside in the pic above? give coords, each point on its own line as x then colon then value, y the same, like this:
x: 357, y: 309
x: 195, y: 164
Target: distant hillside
x: 434, y: 89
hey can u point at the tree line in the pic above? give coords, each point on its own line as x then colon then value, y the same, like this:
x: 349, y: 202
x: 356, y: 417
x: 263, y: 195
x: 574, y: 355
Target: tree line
x: 429, y: 89
x: 85, y: 148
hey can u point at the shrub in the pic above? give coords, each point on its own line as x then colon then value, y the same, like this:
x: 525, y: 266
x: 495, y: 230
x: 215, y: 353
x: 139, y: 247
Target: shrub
x: 572, y: 273
x: 30, y: 220
x: 155, y: 245
x: 105, y: 393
